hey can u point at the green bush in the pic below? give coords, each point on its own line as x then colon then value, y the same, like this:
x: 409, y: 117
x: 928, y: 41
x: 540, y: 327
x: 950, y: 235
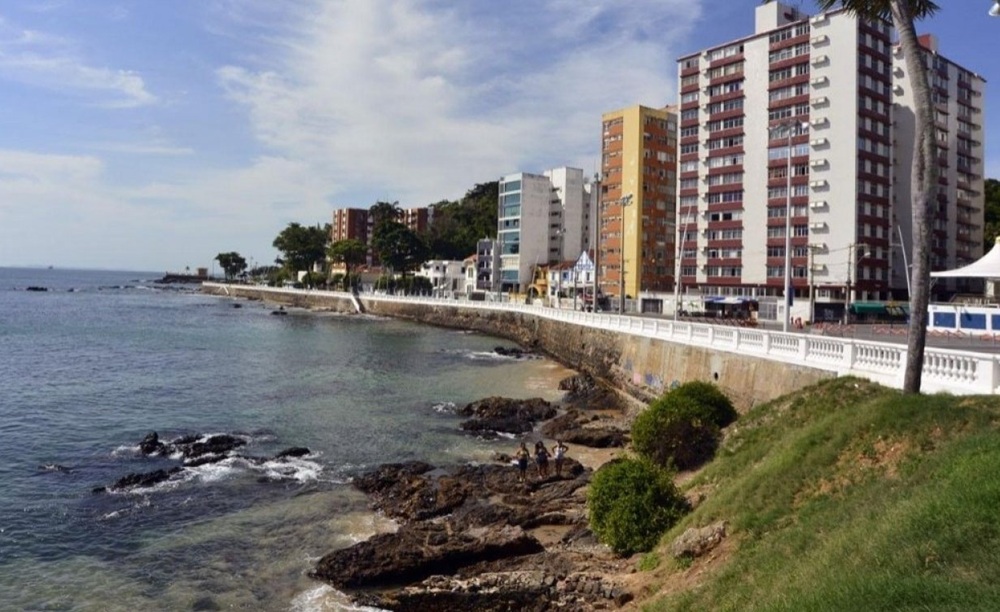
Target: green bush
x: 632, y: 503
x: 675, y: 430
x: 718, y: 408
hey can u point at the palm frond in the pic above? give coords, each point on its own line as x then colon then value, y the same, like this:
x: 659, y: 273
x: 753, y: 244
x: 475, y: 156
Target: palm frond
x: 879, y: 9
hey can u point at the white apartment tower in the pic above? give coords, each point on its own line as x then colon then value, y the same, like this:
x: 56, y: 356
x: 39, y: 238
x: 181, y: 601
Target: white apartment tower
x: 542, y: 219
x: 958, y: 216
x: 796, y: 119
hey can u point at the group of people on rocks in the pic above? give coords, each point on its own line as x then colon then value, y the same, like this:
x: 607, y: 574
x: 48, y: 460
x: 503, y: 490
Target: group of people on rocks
x: 542, y: 455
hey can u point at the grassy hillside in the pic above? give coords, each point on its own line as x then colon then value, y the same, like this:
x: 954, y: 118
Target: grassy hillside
x: 847, y: 496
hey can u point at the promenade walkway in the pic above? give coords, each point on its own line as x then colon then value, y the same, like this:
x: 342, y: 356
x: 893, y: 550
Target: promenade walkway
x: 960, y: 371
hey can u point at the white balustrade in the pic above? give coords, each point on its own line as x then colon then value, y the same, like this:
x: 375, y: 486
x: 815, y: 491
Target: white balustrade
x: 958, y: 372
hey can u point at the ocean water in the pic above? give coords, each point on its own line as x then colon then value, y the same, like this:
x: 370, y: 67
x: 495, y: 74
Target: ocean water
x: 99, y: 360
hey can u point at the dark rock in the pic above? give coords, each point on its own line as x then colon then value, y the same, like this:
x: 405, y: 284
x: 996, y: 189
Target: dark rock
x: 147, y: 479
x: 516, y: 353
x: 215, y: 445
x: 506, y: 415
x: 295, y: 451
x: 595, y: 437
x: 586, y: 393
x: 409, y: 556
x: 380, y: 480
x: 33, y: 288
x: 151, y: 445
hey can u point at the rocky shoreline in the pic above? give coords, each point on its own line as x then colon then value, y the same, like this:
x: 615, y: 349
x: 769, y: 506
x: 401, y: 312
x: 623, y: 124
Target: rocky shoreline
x: 472, y: 537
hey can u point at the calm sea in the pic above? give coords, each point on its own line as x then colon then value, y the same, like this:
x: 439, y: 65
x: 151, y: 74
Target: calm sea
x: 99, y: 360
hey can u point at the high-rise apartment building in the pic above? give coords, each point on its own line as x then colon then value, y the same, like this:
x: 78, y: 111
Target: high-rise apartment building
x: 350, y: 224
x: 417, y: 219
x: 638, y: 201
x: 542, y: 219
x: 788, y: 164
x: 958, y: 217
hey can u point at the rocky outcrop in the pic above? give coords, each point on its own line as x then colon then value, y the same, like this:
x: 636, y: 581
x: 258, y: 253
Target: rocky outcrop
x: 466, y: 541
x: 584, y: 429
x: 194, y: 451
x: 695, y: 542
x: 500, y: 414
x: 415, y: 553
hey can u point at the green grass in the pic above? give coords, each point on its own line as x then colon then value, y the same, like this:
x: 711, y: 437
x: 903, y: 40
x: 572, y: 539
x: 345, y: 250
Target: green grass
x: 850, y: 496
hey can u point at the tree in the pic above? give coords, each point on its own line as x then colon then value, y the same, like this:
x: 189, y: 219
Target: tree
x: 459, y: 225
x: 233, y: 264
x: 349, y: 252
x: 302, y: 246
x: 992, y: 213
x: 924, y: 180
x: 398, y: 246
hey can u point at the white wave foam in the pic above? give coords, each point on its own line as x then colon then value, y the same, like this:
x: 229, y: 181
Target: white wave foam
x: 489, y: 356
x: 325, y: 598
x: 297, y: 469
x: 445, y: 407
x: 125, y: 450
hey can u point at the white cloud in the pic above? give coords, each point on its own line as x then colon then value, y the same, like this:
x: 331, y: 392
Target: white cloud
x: 420, y: 102
x: 43, y: 60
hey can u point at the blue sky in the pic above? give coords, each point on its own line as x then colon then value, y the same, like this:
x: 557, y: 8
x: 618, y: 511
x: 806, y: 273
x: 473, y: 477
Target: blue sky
x: 150, y: 135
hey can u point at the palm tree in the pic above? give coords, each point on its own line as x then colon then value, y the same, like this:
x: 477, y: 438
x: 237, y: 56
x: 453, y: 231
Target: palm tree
x: 924, y: 180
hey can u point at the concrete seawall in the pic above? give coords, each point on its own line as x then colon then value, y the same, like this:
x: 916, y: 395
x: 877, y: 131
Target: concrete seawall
x: 642, y: 367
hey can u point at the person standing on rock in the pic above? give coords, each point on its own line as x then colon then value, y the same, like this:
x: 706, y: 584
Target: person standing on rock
x: 542, y: 459
x: 559, y: 453
x: 521, y: 456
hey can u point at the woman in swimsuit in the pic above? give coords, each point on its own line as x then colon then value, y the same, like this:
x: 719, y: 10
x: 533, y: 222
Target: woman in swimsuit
x: 521, y: 456
x: 542, y: 459
x: 559, y: 452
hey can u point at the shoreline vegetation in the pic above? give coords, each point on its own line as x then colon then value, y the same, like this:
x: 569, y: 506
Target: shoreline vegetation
x: 842, y: 495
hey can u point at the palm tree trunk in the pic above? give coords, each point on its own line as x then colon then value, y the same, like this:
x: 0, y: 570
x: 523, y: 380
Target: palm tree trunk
x: 924, y: 188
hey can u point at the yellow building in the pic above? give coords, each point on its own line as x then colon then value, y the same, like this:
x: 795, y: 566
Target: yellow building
x: 638, y: 200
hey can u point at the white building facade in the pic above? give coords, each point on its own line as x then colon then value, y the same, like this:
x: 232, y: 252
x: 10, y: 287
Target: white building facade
x: 957, y: 221
x: 797, y: 118
x: 542, y: 219
x: 447, y: 277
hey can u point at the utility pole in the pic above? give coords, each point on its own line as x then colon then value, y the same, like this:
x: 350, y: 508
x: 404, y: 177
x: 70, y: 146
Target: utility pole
x: 596, y: 219
x: 812, y: 287
x: 623, y: 202
x: 847, y: 294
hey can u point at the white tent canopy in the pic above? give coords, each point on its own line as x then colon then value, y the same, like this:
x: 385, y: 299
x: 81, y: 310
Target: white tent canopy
x: 988, y: 266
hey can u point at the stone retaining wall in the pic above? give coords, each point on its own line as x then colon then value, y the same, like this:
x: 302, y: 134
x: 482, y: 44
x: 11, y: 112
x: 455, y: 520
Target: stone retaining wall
x: 642, y: 367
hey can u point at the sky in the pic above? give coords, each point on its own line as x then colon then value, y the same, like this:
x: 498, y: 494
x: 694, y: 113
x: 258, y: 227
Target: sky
x: 151, y: 135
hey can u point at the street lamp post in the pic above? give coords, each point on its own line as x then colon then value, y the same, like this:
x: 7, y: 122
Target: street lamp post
x: 623, y: 201
x: 788, y: 127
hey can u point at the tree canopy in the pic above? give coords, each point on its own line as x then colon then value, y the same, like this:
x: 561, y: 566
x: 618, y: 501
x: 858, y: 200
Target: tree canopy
x: 992, y: 213
x: 349, y: 252
x: 398, y: 247
x: 302, y: 246
x: 233, y: 264
x: 458, y: 225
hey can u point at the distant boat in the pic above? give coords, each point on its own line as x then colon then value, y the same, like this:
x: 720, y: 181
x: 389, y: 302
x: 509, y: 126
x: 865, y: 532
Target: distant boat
x: 50, y: 267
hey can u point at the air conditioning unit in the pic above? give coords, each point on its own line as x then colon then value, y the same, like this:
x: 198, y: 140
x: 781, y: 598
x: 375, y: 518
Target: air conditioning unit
x: 817, y: 163
x: 819, y: 81
x: 820, y: 39
x: 819, y: 101
x: 818, y: 19
x: 817, y: 204
x: 818, y: 246
x: 897, y: 89
x: 818, y: 184
x: 820, y: 59
x: 817, y: 225
x: 819, y: 142
x: 819, y: 122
